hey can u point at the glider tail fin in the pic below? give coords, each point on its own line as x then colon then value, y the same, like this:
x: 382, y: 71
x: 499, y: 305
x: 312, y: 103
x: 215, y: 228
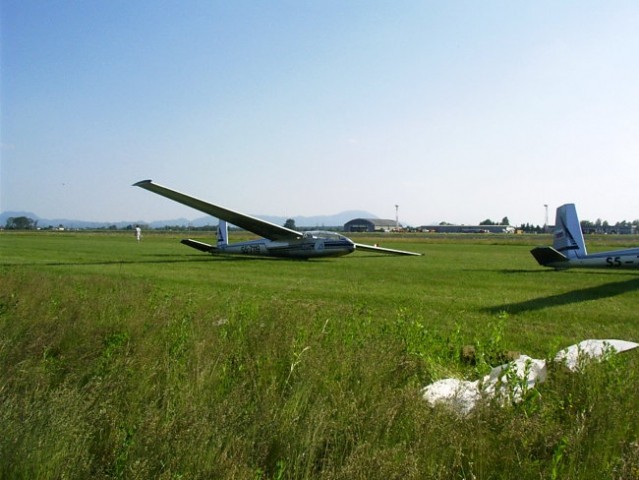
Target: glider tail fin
x: 222, y: 233
x: 568, y: 238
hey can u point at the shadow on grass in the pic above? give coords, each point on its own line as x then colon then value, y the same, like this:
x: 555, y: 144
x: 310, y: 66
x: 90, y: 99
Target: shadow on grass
x: 77, y: 263
x: 591, y: 293
x: 157, y: 259
x: 547, y: 271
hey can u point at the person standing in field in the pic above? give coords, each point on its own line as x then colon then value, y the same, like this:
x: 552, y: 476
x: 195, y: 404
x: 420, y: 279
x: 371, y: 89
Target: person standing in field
x: 138, y: 233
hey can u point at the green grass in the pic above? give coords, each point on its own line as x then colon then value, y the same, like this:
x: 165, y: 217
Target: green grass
x: 151, y: 360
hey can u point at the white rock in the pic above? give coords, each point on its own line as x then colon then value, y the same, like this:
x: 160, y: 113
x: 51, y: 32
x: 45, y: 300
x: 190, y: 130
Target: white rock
x: 509, y: 378
x: 509, y: 381
x: 591, y: 350
x: 461, y: 395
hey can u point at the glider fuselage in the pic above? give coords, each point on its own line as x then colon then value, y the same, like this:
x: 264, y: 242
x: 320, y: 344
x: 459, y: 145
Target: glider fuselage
x: 322, y: 244
x: 627, y: 258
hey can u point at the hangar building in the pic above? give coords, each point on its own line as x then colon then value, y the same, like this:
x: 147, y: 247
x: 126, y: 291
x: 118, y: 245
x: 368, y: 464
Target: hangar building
x: 467, y: 228
x: 369, y: 225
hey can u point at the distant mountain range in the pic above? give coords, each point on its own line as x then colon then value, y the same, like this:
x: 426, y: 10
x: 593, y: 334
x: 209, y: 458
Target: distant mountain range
x: 320, y: 221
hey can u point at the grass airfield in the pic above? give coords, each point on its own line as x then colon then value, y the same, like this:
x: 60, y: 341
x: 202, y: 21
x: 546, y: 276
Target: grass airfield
x: 151, y: 360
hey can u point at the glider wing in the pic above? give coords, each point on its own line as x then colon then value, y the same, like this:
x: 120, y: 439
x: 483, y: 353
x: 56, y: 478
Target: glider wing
x: 371, y: 248
x: 259, y: 227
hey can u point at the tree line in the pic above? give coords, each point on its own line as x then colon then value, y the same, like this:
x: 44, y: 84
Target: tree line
x: 21, y: 223
x: 26, y: 223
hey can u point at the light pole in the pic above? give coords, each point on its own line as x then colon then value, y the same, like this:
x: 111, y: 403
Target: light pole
x: 546, y: 218
x: 397, y: 217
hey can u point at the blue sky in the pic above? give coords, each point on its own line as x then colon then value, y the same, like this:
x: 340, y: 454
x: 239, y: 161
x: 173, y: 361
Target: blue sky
x: 456, y: 111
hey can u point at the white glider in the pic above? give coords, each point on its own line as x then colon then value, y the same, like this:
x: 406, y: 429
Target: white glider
x: 569, y: 249
x: 277, y: 241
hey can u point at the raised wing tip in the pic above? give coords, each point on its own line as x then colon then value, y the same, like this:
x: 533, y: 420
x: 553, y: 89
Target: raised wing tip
x: 142, y: 182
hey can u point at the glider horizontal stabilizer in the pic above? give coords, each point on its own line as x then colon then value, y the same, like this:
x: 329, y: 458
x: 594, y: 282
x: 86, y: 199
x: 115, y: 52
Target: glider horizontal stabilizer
x: 547, y: 256
x: 201, y: 246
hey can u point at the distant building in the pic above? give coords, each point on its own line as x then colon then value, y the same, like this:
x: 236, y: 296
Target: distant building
x: 467, y: 228
x: 610, y: 229
x: 369, y: 225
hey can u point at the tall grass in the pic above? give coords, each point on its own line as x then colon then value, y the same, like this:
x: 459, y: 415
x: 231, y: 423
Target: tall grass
x: 144, y: 361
